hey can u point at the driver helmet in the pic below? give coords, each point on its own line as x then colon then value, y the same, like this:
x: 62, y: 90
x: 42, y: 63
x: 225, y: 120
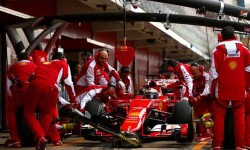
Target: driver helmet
x: 151, y: 93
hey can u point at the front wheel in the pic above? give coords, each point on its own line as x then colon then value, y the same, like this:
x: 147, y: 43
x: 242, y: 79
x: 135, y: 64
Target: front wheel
x: 183, y: 114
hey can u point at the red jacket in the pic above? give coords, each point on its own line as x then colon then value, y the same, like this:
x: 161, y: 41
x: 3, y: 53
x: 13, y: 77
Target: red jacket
x: 94, y: 74
x: 228, y: 63
x: 18, y: 76
x: 201, y: 86
x: 184, y: 75
x: 55, y: 72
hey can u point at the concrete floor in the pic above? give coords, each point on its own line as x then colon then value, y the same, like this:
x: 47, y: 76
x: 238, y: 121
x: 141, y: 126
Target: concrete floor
x: 78, y: 143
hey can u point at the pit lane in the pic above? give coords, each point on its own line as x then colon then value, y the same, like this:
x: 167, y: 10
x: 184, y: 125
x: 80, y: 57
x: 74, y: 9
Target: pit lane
x: 78, y: 143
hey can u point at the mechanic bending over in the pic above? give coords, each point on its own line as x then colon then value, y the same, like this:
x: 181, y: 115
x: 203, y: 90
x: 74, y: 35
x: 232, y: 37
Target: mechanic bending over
x: 201, y: 100
x: 43, y: 96
x: 227, y: 74
x: 18, y: 82
x: 183, y: 73
x: 100, y: 93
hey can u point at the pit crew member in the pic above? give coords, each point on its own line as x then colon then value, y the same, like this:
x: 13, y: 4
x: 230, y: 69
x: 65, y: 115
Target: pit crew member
x: 183, y: 73
x: 227, y: 75
x: 201, y: 100
x: 127, y: 92
x: 43, y: 96
x: 18, y: 77
x: 96, y: 72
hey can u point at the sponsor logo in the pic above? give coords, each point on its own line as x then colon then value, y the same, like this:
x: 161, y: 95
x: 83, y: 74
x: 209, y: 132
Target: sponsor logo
x: 134, y: 114
x: 232, y: 65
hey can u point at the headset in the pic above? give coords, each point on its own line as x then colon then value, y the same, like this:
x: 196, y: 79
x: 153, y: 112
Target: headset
x: 201, y: 68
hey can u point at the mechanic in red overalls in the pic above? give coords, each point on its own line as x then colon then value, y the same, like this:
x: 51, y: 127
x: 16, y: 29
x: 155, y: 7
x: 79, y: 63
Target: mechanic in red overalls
x: 183, y: 73
x: 124, y: 73
x: 227, y: 73
x: 247, y: 110
x: 43, y: 96
x: 95, y: 72
x: 201, y: 100
x: 98, y: 92
x: 17, y: 84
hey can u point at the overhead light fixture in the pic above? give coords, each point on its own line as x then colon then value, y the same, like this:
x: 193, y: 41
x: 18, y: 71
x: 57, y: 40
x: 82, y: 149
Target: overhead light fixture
x: 135, y: 3
x: 167, y: 24
x: 221, y: 12
x: 169, y: 32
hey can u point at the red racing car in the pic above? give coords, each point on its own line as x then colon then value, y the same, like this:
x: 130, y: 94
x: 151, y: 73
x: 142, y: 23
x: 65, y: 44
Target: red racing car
x: 156, y: 113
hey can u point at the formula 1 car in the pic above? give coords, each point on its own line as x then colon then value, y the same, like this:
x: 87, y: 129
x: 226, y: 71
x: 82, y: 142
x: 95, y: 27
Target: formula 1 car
x: 149, y: 115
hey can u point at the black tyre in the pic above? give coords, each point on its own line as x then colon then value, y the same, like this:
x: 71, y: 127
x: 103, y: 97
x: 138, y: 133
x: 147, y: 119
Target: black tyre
x: 89, y: 134
x: 183, y: 114
x: 95, y: 108
x: 228, y: 142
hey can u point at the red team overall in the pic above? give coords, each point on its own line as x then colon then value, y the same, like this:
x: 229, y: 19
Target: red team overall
x: 95, y: 72
x: 227, y: 74
x: 18, y: 83
x: 201, y: 100
x: 43, y: 96
x: 184, y: 76
x: 247, y: 110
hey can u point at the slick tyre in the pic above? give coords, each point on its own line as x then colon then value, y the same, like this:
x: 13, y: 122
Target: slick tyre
x: 183, y: 114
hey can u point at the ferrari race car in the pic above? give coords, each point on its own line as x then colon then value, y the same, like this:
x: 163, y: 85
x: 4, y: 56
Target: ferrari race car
x: 152, y: 114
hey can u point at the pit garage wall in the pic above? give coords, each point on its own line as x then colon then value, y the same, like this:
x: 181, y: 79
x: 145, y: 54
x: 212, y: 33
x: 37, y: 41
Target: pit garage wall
x: 147, y: 61
x: 110, y: 39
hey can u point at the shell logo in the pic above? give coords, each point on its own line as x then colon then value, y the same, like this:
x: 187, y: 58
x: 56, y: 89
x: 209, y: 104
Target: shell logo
x: 232, y: 65
x: 46, y: 63
x: 134, y: 114
x: 22, y: 63
x: 160, y: 105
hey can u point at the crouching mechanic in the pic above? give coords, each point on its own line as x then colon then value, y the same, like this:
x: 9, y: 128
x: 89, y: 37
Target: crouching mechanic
x: 201, y: 100
x: 101, y: 94
x: 43, y: 96
x: 126, y: 91
x: 96, y: 92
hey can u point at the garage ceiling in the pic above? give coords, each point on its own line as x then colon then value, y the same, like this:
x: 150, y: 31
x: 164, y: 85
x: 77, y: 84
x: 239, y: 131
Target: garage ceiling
x: 142, y: 33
